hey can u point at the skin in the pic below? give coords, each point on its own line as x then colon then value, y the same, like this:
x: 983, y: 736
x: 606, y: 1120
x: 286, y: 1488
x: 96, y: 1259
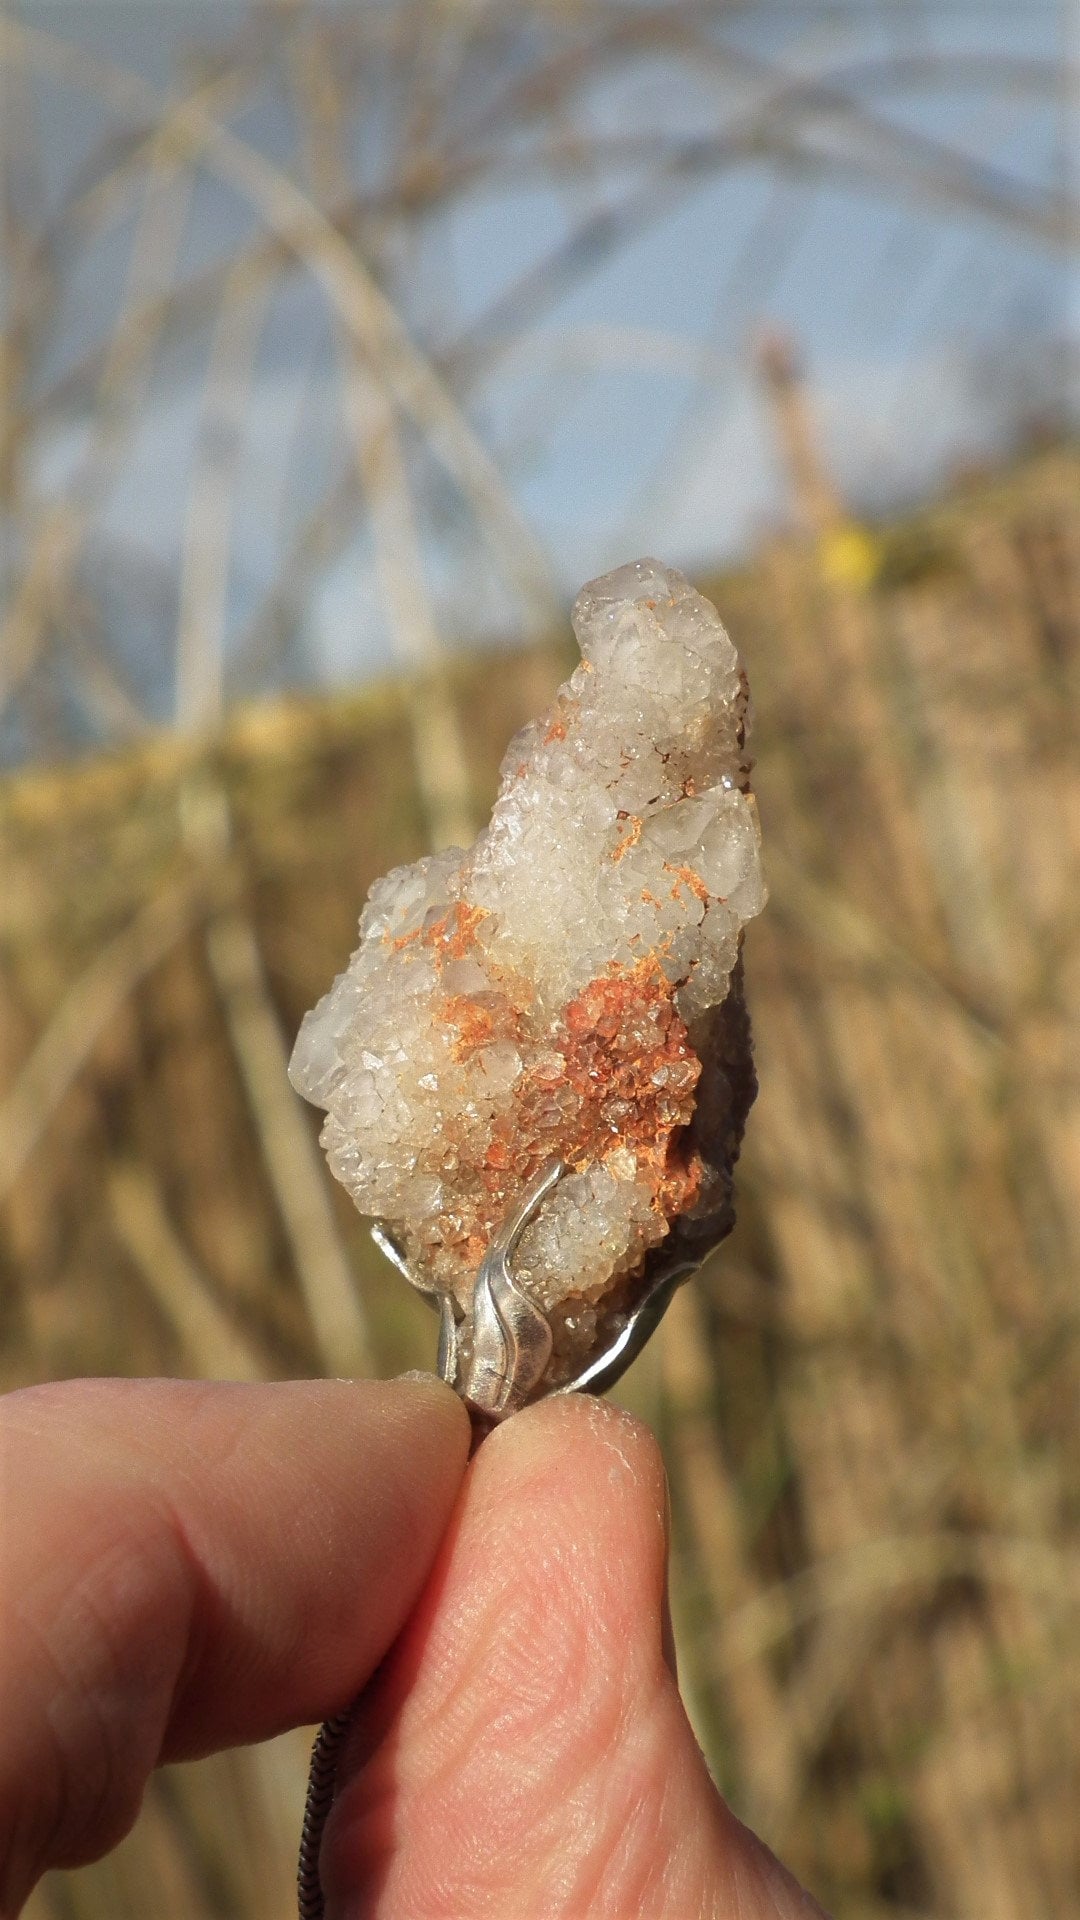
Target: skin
x: 186, y: 1567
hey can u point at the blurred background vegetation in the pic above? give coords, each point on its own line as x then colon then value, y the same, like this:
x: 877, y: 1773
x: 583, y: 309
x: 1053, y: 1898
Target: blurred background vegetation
x: 340, y: 344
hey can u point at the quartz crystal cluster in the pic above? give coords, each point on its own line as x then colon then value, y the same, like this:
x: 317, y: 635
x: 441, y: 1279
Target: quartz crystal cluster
x: 569, y: 986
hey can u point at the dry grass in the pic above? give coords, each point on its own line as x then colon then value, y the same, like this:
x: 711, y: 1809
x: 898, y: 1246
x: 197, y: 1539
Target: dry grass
x: 867, y: 1402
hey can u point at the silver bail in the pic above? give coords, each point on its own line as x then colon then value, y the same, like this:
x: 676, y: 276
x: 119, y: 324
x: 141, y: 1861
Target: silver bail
x: 511, y: 1337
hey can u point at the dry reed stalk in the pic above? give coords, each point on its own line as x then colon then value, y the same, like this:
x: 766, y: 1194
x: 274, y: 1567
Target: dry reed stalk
x: 57, y: 538
x: 748, y: 1691
x: 352, y: 292
x: 205, y: 1158
x: 326, y: 1281
x: 288, y: 1151
x: 1042, y: 856
x: 106, y: 692
x: 257, y: 652
x: 1028, y: 890
x: 967, y: 1793
x: 204, y: 575
x: 213, y: 1347
x: 442, y: 772
x: 883, y: 1565
x: 889, y: 1060
x: 83, y: 1015
x: 815, y: 1233
x: 841, y: 617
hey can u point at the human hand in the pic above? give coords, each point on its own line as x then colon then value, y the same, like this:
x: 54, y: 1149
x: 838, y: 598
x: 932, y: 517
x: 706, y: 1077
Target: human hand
x: 187, y: 1567
x: 524, y: 1754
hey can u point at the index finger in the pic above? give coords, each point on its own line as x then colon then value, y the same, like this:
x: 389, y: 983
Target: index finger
x: 184, y: 1567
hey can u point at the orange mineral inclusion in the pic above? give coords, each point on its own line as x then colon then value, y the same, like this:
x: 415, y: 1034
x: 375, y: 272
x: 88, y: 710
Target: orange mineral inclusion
x: 619, y: 1073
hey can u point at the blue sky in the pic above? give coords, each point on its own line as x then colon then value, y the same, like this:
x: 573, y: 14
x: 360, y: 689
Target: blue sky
x: 889, y: 226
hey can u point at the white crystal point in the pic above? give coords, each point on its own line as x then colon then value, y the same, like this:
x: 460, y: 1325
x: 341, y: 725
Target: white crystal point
x: 567, y: 986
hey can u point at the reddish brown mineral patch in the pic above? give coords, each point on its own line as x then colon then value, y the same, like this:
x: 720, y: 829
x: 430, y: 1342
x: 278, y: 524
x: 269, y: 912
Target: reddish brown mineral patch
x: 629, y: 1059
x: 618, y: 1075
x: 475, y: 1023
x: 451, y: 935
x: 685, y: 876
x: 630, y: 837
x: 456, y: 932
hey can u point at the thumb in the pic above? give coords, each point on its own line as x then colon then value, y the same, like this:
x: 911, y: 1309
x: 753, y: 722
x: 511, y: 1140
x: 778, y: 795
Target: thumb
x: 524, y: 1752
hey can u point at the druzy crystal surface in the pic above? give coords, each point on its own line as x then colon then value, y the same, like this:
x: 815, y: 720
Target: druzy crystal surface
x: 568, y: 986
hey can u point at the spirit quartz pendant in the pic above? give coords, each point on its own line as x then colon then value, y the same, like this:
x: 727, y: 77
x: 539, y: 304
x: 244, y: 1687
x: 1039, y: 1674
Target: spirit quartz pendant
x: 536, y: 1068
